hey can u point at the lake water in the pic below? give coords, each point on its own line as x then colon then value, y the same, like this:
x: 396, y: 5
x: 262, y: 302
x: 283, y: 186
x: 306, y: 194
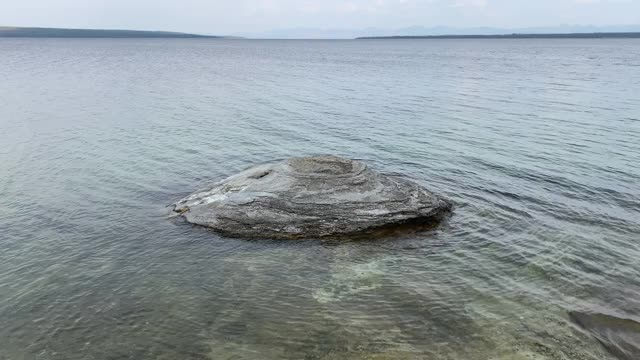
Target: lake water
x: 536, y: 141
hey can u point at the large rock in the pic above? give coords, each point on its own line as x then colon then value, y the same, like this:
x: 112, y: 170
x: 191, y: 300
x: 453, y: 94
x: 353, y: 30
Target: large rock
x: 310, y: 197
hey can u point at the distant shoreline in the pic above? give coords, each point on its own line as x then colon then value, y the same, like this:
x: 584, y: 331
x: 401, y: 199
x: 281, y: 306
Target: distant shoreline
x: 622, y: 35
x: 40, y: 32
x: 36, y: 32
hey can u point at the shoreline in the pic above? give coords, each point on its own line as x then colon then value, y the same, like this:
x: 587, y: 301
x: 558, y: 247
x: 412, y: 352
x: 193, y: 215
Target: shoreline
x: 626, y: 35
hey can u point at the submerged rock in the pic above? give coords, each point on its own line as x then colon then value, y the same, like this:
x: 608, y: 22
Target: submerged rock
x: 621, y: 337
x: 311, y: 197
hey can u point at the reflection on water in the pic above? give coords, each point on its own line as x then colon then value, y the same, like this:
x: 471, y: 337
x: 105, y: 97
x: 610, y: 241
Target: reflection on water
x: 535, y: 141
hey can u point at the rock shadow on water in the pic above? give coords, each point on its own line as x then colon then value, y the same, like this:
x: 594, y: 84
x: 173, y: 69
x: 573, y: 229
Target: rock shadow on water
x: 620, y: 336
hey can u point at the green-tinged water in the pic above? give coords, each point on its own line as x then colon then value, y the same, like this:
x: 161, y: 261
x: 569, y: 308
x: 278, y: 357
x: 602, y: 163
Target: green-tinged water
x: 536, y: 142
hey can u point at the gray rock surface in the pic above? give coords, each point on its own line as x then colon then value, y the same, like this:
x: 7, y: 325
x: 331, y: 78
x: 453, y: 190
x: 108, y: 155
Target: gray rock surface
x: 311, y: 197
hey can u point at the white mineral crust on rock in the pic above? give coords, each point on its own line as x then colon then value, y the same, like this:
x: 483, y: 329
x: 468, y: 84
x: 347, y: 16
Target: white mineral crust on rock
x: 311, y: 197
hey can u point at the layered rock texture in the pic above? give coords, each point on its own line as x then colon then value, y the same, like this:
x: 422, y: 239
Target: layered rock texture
x: 312, y: 197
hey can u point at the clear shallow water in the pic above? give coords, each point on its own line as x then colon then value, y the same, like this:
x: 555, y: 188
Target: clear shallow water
x: 536, y: 142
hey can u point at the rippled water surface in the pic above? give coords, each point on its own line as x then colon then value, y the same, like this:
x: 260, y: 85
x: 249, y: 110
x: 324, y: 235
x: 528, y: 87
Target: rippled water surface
x: 536, y: 141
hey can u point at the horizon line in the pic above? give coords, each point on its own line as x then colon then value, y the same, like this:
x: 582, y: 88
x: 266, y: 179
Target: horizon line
x: 54, y: 32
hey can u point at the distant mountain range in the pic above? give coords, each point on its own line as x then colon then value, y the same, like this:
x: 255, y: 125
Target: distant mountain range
x: 317, y: 33
x: 91, y: 33
x: 626, y: 35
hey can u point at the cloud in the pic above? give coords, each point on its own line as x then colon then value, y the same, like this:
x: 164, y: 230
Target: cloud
x: 470, y: 3
x: 237, y: 16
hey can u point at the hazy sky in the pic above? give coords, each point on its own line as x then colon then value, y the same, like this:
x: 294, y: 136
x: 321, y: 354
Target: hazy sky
x: 234, y: 16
